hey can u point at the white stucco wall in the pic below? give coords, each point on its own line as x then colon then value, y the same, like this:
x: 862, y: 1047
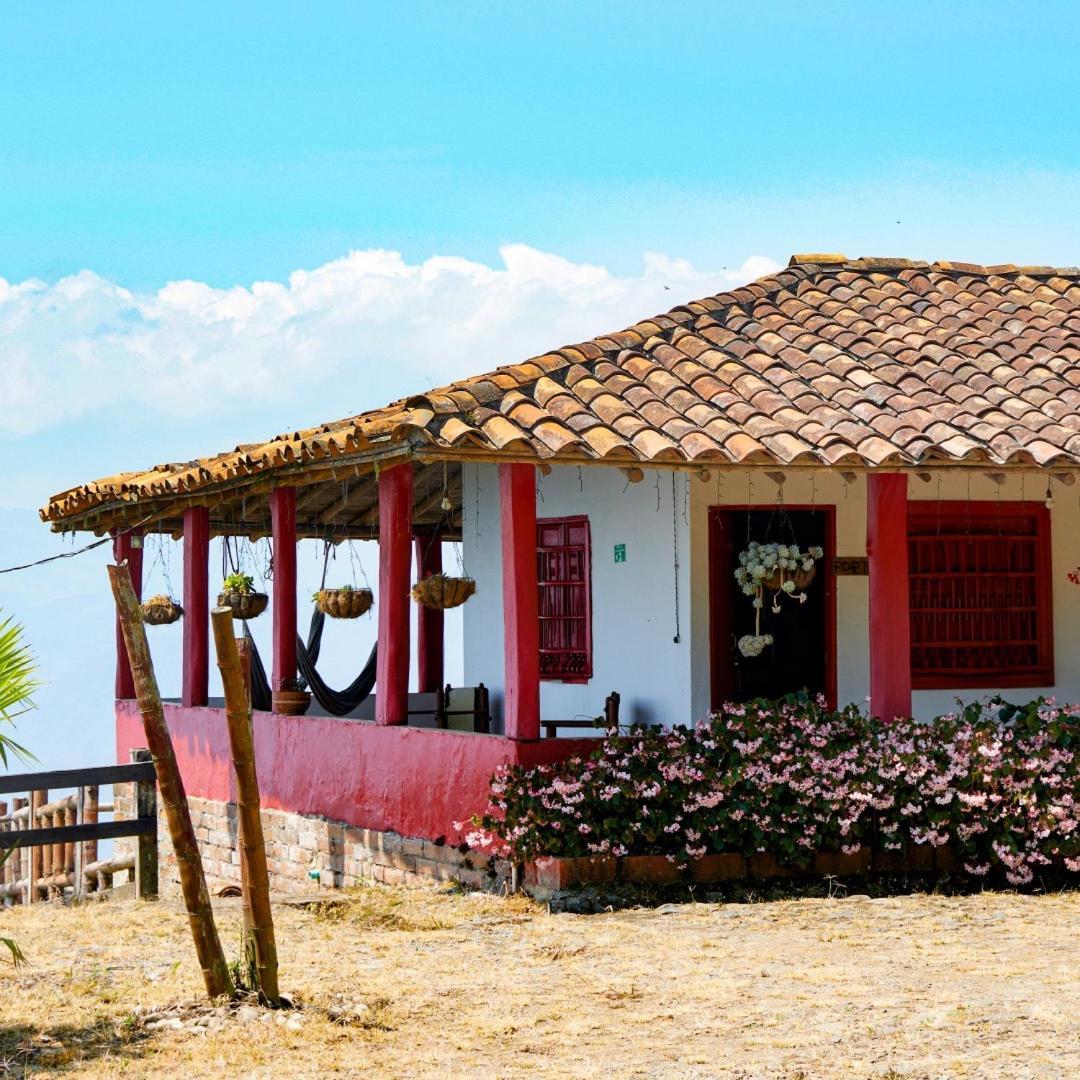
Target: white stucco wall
x: 633, y: 603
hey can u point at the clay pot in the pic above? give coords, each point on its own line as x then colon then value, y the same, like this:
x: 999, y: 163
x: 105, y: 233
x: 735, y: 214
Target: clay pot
x: 290, y: 702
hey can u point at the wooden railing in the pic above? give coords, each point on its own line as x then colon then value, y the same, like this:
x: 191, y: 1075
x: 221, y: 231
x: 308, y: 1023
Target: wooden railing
x: 51, y: 846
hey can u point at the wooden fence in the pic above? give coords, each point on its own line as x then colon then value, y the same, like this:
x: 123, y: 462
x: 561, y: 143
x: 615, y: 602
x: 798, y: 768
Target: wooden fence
x: 52, y: 846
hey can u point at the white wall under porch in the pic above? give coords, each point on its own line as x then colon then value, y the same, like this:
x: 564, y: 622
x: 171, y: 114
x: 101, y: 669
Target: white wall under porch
x: 634, y: 602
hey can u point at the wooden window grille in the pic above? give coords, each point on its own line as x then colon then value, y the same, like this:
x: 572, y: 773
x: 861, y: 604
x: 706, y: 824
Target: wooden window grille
x: 981, y: 595
x: 564, y: 579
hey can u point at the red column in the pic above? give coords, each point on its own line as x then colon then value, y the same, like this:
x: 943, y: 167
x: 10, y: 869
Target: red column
x: 196, y: 606
x: 283, y: 601
x: 124, y: 548
x: 521, y: 623
x: 395, y: 563
x: 890, y: 620
x: 429, y: 621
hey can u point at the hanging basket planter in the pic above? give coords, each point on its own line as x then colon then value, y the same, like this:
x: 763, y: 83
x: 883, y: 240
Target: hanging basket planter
x: 782, y: 569
x: 245, y: 605
x: 238, y: 592
x: 161, y: 610
x: 442, y: 592
x: 344, y: 603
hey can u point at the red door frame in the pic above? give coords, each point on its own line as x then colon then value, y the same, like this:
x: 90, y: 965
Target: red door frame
x: 722, y: 596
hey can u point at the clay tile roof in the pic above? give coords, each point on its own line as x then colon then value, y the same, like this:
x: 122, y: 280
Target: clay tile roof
x: 873, y: 362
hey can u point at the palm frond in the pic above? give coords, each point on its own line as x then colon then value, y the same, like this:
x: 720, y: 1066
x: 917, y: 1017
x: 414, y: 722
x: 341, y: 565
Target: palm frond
x: 17, y: 667
x: 18, y: 957
x: 17, y: 684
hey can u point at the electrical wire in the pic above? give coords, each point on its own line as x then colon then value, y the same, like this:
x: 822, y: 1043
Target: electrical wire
x: 71, y: 554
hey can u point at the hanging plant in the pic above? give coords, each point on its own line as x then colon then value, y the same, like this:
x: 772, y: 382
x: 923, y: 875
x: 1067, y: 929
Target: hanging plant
x: 344, y: 603
x: 439, y: 591
x: 784, y: 570
x: 238, y: 592
x: 161, y: 610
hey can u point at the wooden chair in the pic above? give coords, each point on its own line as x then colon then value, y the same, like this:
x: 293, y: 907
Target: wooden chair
x: 470, y: 702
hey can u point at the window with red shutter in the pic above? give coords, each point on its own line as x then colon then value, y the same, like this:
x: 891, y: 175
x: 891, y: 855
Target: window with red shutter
x: 564, y: 579
x: 981, y: 595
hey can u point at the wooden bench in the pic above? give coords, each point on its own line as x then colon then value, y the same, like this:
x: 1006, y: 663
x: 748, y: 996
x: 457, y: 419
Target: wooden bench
x: 608, y: 719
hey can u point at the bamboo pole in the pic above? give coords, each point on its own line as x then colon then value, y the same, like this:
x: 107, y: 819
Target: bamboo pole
x: 252, y: 847
x: 173, y: 797
x: 243, y: 649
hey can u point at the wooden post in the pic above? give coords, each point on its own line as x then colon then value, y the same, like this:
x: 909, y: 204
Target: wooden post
x: 429, y: 621
x: 19, y: 857
x: 395, y: 562
x: 80, y: 845
x: 252, y: 845
x: 69, y: 818
x: 243, y: 648
x: 890, y: 619
x: 243, y: 651
x: 146, y: 853
x: 283, y: 607
x: 54, y: 820
x: 8, y: 868
x: 125, y: 549
x: 90, y: 812
x: 177, y: 814
x: 36, y: 863
x: 521, y: 622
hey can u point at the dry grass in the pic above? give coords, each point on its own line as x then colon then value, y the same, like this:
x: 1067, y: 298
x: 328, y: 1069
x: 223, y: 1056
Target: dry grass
x: 408, y: 982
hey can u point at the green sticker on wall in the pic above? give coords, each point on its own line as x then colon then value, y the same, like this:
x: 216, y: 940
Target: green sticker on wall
x: 620, y: 553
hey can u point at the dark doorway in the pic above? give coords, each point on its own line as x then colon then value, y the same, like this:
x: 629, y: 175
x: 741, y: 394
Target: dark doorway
x: 802, y: 656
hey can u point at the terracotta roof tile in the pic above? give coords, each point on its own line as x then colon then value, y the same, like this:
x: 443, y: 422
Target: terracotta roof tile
x: 866, y: 361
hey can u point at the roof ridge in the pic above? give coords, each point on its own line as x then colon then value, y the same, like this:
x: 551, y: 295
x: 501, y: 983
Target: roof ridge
x: 832, y: 262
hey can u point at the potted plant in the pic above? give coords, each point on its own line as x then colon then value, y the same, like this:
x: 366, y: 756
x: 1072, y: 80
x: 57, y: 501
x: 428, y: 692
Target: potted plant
x: 238, y: 592
x: 783, y: 569
x: 440, y: 591
x: 160, y: 610
x: 344, y: 603
x: 292, y: 699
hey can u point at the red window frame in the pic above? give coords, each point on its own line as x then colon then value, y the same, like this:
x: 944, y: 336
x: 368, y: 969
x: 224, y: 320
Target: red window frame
x: 981, y: 595
x: 564, y: 600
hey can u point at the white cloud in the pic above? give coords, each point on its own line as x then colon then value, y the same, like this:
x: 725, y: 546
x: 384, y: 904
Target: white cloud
x: 350, y: 335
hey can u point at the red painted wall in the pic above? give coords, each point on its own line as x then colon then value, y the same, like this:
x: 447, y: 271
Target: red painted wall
x: 415, y: 781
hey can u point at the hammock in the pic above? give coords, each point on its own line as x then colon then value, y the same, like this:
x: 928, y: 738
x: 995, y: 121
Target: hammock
x: 335, y: 702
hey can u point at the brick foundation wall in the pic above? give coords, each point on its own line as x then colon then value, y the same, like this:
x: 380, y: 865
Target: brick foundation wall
x: 342, y: 854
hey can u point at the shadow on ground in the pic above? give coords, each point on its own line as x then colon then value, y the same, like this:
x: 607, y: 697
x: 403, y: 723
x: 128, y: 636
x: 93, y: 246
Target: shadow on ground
x: 30, y: 1051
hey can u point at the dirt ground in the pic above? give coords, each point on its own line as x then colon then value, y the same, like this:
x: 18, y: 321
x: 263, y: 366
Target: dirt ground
x: 414, y: 982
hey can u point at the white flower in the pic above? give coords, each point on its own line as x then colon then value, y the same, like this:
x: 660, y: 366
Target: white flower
x: 750, y: 645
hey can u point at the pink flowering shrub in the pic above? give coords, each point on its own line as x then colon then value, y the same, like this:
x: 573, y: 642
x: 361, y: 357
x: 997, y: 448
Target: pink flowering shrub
x: 997, y: 782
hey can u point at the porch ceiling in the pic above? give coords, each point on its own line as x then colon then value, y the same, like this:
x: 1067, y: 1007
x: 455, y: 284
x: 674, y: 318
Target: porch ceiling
x: 872, y: 363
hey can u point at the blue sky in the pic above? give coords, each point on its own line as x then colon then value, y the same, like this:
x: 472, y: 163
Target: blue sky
x: 544, y: 172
